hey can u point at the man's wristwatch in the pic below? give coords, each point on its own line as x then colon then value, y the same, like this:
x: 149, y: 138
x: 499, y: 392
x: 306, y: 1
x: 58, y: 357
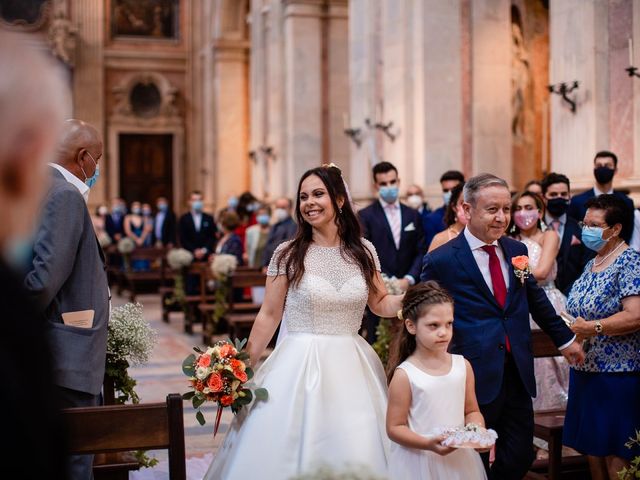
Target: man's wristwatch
x: 598, y: 327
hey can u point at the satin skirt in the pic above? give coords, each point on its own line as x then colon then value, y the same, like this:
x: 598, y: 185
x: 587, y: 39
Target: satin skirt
x: 326, y: 409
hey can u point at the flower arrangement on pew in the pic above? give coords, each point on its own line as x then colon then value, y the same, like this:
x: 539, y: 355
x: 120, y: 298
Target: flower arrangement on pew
x: 125, y: 247
x: 179, y: 260
x: 384, y: 332
x: 633, y: 470
x: 222, y: 267
x: 220, y: 374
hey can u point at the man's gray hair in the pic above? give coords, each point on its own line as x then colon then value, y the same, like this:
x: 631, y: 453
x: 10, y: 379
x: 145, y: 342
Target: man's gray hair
x: 480, y: 182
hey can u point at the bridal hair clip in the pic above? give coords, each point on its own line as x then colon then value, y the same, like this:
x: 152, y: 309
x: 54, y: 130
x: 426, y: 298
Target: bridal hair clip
x: 346, y: 187
x: 399, y: 315
x: 471, y: 435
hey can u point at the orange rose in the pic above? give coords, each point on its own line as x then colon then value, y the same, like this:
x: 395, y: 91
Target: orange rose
x: 237, y: 364
x: 204, y: 361
x: 227, y: 350
x: 199, y: 386
x: 521, y: 262
x: 240, y: 375
x: 215, y: 382
x: 226, y: 400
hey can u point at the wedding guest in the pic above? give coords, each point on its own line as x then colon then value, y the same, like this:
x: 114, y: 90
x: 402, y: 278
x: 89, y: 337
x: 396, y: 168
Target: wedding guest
x: 604, y: 392
x: 68, y: 278
x: 256, y: 237
x: 571, y: 258
x: 434, y: 222
x: 99, y: 221
x: 35, y: 99
x: 491, y: 327
x: 164, y: 224
x: 395, y: 230
x: 282, y: 230
x: 453, y: 217
x: 137, y: 226
x: 605, y: 166
x: 230, y: 243
x: 246, y: 210
x: 533, y: 186
x: 415, y: 200
x: 114, y: 223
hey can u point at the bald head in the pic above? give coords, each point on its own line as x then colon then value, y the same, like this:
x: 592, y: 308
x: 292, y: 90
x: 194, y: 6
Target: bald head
x: 79, y: 149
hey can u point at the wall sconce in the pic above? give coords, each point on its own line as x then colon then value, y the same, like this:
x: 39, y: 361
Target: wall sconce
x: 563, y: 89
x: 385, y: 127
x: 355, y: 135
x: 633, y: 72
x: 262, y: 150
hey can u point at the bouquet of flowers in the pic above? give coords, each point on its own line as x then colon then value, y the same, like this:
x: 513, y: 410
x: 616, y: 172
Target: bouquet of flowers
x: 220, y: 374
x: 126, y: 245
x: 471, y: 435
x: 179, y: 258
x: 384, y: 333
x: 392, y: 285
x: 223, y: 265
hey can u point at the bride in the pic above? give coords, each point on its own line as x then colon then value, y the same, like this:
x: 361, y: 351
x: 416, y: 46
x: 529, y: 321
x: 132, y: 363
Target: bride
x: 327, y: 388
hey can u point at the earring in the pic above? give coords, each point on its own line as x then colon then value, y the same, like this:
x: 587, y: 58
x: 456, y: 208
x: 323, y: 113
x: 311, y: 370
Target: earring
x: 340, y: 210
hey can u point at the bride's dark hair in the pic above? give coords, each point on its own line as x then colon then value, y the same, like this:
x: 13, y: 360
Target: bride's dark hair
x: 415, y: 304
x: 349, y: 231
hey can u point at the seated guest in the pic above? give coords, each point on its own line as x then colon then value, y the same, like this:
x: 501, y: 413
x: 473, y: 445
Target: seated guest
x: 164, y: 224
x: 453, y: 217
x: 533, y: 186
x: 434, y: 222
x: 605, y: 167
x: 282, y: 230
x: 197, y: 230
x: 114, y: 223
x: 230, y: 243
x: 572, y: 256
x: 604, y: 392
x: 255, y: 240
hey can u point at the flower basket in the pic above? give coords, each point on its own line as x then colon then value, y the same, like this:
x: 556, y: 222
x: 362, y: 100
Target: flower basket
x: 223, y: 267
x: 179, y: 260
x: 125, y: 247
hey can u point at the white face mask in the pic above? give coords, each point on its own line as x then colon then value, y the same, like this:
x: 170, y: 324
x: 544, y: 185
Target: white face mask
x: 281, y: 214
x: 414, y: 201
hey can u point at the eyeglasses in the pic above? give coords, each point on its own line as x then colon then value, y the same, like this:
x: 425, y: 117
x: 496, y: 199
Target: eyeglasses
x: 583, y: 225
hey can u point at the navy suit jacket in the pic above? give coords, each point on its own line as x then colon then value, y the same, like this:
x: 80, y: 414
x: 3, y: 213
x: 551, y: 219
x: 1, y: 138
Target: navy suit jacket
x: 480, y: 324
x: 191, y: 239
x: 577, y: 210
x: 571, y: 259
x: 433, y: 224
x: 397, y: 262
x: 168, y: 228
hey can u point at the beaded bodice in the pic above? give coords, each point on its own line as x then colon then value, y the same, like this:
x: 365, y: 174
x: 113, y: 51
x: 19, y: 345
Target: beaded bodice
x: 535, y: 252
x: 331, y: 296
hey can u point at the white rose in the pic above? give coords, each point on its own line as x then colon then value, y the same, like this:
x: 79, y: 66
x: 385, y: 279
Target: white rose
x: 201, y: 373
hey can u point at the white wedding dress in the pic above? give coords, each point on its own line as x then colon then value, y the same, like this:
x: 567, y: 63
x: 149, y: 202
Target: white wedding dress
x: 327, y: 389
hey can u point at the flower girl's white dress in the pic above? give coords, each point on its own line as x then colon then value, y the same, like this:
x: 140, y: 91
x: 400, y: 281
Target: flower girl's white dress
x: 327, y: 389
x: 436, y: 401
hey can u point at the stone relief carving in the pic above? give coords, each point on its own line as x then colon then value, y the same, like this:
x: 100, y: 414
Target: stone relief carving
x: 63, y: 39
x: 520, y: 77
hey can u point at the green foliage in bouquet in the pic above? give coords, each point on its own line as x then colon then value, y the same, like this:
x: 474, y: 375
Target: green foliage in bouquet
x: 633, y: 472
x: 384, y: 336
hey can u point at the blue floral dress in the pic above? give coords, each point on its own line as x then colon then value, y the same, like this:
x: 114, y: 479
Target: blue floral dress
x: 604, y: 393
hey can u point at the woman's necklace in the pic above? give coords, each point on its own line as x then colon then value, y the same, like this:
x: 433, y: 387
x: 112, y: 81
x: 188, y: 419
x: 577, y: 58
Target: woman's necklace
x: 597, y: 264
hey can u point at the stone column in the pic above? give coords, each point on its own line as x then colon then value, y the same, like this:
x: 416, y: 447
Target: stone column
x: 635, y: 176
x: 491, y: 87
x: 88, y: 80
x: 579, y: 51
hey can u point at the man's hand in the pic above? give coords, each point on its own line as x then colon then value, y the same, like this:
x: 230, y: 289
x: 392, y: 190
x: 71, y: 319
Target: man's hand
x: 199, y: 253
x: 573, y: 353
x: 403, y: 283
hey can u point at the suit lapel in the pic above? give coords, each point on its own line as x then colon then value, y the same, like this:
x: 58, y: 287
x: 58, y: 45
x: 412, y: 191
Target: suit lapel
x: 514, y: 282
x: 383, y: 220
x: 468, y: 262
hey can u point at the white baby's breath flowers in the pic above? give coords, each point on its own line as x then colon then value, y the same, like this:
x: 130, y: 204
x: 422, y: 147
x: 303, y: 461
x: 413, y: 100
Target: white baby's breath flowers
x: 224, y: 265
x: 130, y: 337
x: 104, y: 240
x: 178, y: 258
x: 126, y: 245
x: 392, y: 285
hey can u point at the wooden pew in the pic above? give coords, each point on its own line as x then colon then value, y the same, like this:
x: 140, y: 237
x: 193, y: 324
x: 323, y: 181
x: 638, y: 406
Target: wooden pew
x: 131, y: 280
x: 119, y: 428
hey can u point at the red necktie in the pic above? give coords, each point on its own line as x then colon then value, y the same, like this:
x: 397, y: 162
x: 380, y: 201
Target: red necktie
x: 497, y: 280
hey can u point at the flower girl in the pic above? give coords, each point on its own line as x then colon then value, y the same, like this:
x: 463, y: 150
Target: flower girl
x: 432, y: 395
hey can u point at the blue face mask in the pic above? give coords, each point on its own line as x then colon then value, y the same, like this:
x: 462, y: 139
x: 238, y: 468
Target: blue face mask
x: 19, y: 253
x: 197, y: 205
x: 91, y: 181
x: 233, y: 203
x: 446, y: 196
x: 163, y: 207
x: 592, y: 238
x: 389, y: 194
x: 263, y: 219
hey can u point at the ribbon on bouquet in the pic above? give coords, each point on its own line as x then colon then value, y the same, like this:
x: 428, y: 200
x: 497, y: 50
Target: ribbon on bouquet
x: 218, y: 418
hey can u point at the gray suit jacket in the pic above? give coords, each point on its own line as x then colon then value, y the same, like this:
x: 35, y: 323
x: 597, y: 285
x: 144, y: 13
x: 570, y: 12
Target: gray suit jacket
x: 68, y: 275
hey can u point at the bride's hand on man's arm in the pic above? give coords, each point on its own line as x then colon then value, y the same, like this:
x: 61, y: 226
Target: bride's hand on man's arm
x: 380, y: 302
x: 268, y: 317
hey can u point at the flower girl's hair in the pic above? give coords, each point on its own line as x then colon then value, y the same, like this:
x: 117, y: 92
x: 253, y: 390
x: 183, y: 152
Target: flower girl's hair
x: 418, y: 299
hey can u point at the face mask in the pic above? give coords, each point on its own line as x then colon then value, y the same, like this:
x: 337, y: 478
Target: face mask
x: 163, y: 207
x: 525, y: 219
x: 389, y: 194
x: 281, y: 214
x: 119, y: 209
x: 146, y: 213
x: 252, y: 207
x: 18, y: 253
x: 446, y: 196
x: 91, y: 181
x: 603, y: 174
x: 263, y: 219
x: 233, y: 203
x: 557, y: 206
x: 414, y: 201
x: 197, y: 205
x: 102, y: 211
x: 136, y: 210
x: 592, y: 238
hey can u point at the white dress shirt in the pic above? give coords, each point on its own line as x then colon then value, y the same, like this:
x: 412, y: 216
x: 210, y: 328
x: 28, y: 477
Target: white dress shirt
x: 397, y: 234
x: 197, y: 220
x: 562, y: 221
x: 160, y: 216
x: 73, y: 180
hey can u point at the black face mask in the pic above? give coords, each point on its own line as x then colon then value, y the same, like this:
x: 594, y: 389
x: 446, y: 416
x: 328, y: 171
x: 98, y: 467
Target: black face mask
x: 557, y: 206
x: 603, y: 174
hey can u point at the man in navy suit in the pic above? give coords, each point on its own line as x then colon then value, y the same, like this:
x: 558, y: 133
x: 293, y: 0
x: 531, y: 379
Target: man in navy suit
x: 572, y: 256
x: 164, y: 224
x: 114, y: 222
x: 491, y: 326
x: 605, y: 166
x: 433, y: 223
x: 395, y: 231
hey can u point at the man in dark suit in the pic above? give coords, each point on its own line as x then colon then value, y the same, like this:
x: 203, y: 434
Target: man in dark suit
x: 164, y: 224
x: 491, y: 326
x: 433, y: 223
x: 68, y: 278
x: 284, y: 229
x: 197, y: 230
x: 395, y: 231
x: 572, y: 256
x: 114, y: 222
x: 605, y: 166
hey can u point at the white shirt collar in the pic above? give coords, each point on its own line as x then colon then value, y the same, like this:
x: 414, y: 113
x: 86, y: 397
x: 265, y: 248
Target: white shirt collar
x: 73, y: 180
x: 599, y: 192
x: 385, y: 204
x: 549, y: 218
x: 474, y: 242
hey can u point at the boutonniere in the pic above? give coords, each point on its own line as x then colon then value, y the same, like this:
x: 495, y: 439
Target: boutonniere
x: 521, y: 267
